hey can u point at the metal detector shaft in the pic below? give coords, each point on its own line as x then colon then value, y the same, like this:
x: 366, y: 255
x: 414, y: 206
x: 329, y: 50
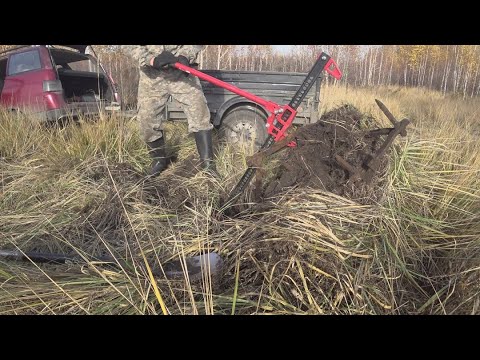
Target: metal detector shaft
x: 194, y: 266
x: 35, y: 257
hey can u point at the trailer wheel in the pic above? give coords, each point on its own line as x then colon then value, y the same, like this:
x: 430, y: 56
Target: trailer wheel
x: 244, y: 126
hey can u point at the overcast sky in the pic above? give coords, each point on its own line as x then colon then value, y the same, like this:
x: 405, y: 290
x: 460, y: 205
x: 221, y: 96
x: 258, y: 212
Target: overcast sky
x: 282, y: 48
x: 287, y: 48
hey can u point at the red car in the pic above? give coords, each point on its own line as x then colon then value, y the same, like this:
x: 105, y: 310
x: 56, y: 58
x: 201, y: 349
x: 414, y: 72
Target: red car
x: 55, y: 82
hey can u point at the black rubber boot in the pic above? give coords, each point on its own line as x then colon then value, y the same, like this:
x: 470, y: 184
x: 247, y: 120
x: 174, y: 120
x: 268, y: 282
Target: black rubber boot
x: 203, y: 138
x: 158, y: 155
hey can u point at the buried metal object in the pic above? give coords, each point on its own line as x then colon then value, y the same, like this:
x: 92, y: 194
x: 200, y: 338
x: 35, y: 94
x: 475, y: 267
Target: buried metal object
x: 368, y: 169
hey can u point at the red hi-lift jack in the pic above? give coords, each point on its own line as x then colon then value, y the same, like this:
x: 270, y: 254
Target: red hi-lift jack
x: 280, y: 116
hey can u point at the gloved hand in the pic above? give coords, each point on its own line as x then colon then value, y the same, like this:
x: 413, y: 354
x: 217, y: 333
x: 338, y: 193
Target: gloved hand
x: 166, y: 58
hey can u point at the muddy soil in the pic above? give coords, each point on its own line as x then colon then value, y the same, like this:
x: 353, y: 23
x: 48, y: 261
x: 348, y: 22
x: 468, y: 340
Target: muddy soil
x: 342, y: 131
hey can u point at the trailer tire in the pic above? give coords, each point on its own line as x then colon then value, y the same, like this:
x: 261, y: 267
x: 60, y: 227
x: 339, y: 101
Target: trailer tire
x: 244, y: 125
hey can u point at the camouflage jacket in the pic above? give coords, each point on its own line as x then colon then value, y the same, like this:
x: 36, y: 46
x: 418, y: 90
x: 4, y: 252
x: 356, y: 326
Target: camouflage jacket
x: 143, y: 53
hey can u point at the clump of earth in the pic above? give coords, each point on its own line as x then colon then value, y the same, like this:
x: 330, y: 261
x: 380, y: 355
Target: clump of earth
x: 343, y: 131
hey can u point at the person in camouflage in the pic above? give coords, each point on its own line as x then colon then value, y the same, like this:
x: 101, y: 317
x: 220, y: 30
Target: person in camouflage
x: 157, y: 81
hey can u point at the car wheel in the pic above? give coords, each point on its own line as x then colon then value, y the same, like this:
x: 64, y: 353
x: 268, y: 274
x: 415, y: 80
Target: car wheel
x: 244, y: 126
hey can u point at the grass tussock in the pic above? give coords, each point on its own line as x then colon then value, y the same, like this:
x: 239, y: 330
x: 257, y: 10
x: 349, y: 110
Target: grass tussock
x: 81, y: 190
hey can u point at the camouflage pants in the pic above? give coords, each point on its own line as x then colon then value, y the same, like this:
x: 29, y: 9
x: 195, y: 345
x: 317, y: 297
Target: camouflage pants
x: 153, y: 93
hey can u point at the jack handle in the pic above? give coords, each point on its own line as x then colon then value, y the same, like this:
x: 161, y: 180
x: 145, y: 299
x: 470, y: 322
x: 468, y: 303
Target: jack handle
x: 332, y: 68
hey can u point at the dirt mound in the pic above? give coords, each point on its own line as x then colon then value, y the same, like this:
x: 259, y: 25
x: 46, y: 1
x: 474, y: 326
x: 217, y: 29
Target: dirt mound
x: 344, y: 132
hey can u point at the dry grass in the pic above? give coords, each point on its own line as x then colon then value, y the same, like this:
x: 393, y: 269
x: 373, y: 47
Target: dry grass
x: 81, y: 190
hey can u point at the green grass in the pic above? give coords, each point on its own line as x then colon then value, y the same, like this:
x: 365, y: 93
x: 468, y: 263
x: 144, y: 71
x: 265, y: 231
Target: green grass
x: 82, y: 190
